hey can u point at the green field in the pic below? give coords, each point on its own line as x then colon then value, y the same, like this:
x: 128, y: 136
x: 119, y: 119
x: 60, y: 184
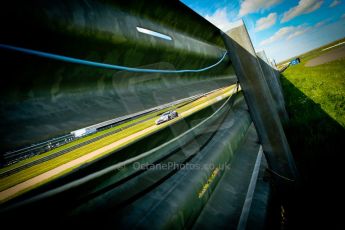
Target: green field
x: 315, y: 101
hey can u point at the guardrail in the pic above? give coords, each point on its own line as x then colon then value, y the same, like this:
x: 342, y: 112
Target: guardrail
x: 90, y: 50
x: 84, y: 95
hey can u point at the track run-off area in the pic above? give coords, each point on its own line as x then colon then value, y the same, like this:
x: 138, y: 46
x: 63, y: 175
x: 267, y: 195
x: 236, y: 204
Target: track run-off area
x: 31, y: 178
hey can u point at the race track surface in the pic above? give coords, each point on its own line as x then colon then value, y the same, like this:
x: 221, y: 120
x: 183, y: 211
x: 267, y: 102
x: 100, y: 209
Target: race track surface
x: 327, y: 57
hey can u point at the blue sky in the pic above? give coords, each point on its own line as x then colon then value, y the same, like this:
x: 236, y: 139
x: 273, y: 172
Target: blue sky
x: 283, y: 28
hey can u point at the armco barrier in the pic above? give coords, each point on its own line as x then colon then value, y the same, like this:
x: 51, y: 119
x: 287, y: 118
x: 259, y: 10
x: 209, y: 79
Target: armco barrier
x: 274, y: 86
x: 74, y: 42
x: 260, y: 102
x: 75, y: 95
x: 111, y: 175
x: 179, y: 200
x: 106, y: 208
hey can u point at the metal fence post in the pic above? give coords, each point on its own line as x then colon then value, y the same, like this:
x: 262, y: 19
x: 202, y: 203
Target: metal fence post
x: 274, y: 85
x: 260, y: 103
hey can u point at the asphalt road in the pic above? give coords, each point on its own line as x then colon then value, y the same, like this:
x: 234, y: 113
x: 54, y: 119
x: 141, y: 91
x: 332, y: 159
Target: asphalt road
x: 329, y: 56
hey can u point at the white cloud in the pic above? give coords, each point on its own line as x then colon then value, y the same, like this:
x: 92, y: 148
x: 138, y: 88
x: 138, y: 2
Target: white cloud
x: 291, y: 32
x: 278, y: 35
x: 287, y: 33
x: 266, y: 22
x: 335, y: 3
x: 220, y: 19
x: 303, y: 7
x: 319, y: 24
x: 314, y: 38
x: 298, y: 31
x: 251, y: 6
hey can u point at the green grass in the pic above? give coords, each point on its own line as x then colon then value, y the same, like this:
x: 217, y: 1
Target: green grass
x: 26, y: 174
x: 315, y: 101
x: 323, y: 84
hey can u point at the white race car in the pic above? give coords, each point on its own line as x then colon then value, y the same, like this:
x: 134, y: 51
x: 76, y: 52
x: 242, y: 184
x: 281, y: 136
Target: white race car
x: 167, y: 116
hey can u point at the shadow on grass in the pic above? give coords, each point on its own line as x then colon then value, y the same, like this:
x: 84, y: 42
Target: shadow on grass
x: 317, y: 142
